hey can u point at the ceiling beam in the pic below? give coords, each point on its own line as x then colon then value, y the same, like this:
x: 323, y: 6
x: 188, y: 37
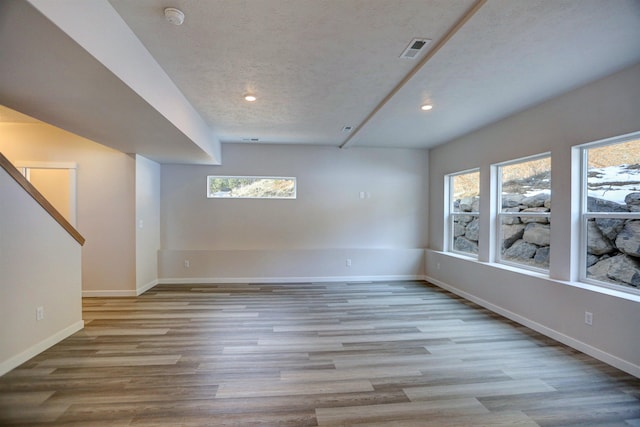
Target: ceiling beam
x: 439, y: 45
x: 98, y: 29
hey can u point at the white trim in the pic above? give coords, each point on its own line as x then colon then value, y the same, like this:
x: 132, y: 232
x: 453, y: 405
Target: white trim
x: 617, y: 293
x: 609, y: 141
x: 306, y: 279
x: 46, y: 165
x: 614, y: 215
x: 630, y: 290
x: 581, y: 252
x: 25, y: 167
x: 141, y: 290
x: 19, y: 359
x: 523, y: 160
x: 499, y: 236
x: 527, y: 214
x: 585, y: 215
x: 449, y: 213
x: 215, y: 280
x: 73, y: 196
x: 603, y: 356
x: 109, y: 293
x: 447, y: 232
x: 492, y: 227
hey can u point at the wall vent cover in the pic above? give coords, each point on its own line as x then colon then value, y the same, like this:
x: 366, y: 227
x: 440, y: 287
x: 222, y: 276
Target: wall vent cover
x: 414, y: 48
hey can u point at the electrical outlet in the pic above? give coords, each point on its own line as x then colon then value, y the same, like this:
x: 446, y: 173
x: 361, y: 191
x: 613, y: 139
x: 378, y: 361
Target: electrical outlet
x: 437, y: 266
x: 348, y: 262
x: 39, y: 313
x: 187, y: 264
x: 588, y: 318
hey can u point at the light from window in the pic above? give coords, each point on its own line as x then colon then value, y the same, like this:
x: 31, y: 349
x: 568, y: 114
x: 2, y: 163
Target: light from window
x: 251, y: 187
x: 464, y: 202
x: 611, y: 213
x: 524, y: 213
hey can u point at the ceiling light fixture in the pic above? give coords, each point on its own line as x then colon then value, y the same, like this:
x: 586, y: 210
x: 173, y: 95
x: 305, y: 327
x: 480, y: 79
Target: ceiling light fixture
x: 174, y: 16
x: 426, y: 107
x: 250, y: 98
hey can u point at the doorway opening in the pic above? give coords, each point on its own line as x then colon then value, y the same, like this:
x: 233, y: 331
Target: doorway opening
x: 57, y: 183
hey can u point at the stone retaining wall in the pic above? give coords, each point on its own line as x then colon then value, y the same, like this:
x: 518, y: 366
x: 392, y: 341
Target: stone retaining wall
x: 613, y: 245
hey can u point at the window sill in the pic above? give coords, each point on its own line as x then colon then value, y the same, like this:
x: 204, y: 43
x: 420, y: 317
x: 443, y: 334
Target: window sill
x: 580, y: 285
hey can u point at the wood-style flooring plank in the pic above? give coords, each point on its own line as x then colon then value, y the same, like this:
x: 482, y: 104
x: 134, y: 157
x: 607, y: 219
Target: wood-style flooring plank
x: 399, y: 411
x: 310, y: 354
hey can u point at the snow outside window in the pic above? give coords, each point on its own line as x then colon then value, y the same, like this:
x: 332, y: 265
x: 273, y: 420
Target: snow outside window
x: 251, y: 187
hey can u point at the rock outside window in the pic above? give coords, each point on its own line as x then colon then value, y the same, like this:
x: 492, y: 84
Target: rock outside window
x: 251, y: 187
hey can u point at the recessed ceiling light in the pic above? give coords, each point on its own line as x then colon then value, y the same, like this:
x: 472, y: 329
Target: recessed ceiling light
x: 426, y: 107
x: 250, y: 98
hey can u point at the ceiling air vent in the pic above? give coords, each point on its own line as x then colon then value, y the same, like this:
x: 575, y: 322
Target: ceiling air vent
x: 414, y: 48
x: 250, y: 139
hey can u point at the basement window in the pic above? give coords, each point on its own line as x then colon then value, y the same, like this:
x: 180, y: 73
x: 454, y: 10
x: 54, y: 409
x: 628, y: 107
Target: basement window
x: 610, y: 214
x: 524, y: 213
x: 464, y: 216
x: 251, y: 187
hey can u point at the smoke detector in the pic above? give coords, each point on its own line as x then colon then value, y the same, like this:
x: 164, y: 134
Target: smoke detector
x: 174, y: 16
x: 414, y: 48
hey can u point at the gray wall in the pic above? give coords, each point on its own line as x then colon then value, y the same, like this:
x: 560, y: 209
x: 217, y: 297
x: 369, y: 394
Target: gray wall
x: 307, y: 238
x: 606, y: 108
x: 105, y: 200
x: 40, y: 266
x: 147, y: 223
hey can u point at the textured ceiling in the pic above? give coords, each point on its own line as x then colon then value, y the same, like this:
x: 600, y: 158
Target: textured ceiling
x: 509, y: 56
x: 315, y: 66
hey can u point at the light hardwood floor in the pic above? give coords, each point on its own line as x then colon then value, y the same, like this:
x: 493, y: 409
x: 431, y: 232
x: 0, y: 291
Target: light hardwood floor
x: 370, y: 354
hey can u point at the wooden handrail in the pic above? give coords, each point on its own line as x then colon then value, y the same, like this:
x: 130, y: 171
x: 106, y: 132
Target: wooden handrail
x: 38, y: 197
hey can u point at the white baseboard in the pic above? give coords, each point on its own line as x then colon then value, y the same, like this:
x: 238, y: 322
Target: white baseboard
x: 594, y: 352
x: 319, y: 279
x: 19, y: 359
x: 214, y: 280
x: 122, y: 293
x: 109, y: 293
x: 145, y: 288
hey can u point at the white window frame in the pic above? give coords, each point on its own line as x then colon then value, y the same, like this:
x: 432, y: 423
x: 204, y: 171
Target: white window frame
x: 450, y: 214
x: 500, y: 215
x: 292, y: 178
x: 585, y: 215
